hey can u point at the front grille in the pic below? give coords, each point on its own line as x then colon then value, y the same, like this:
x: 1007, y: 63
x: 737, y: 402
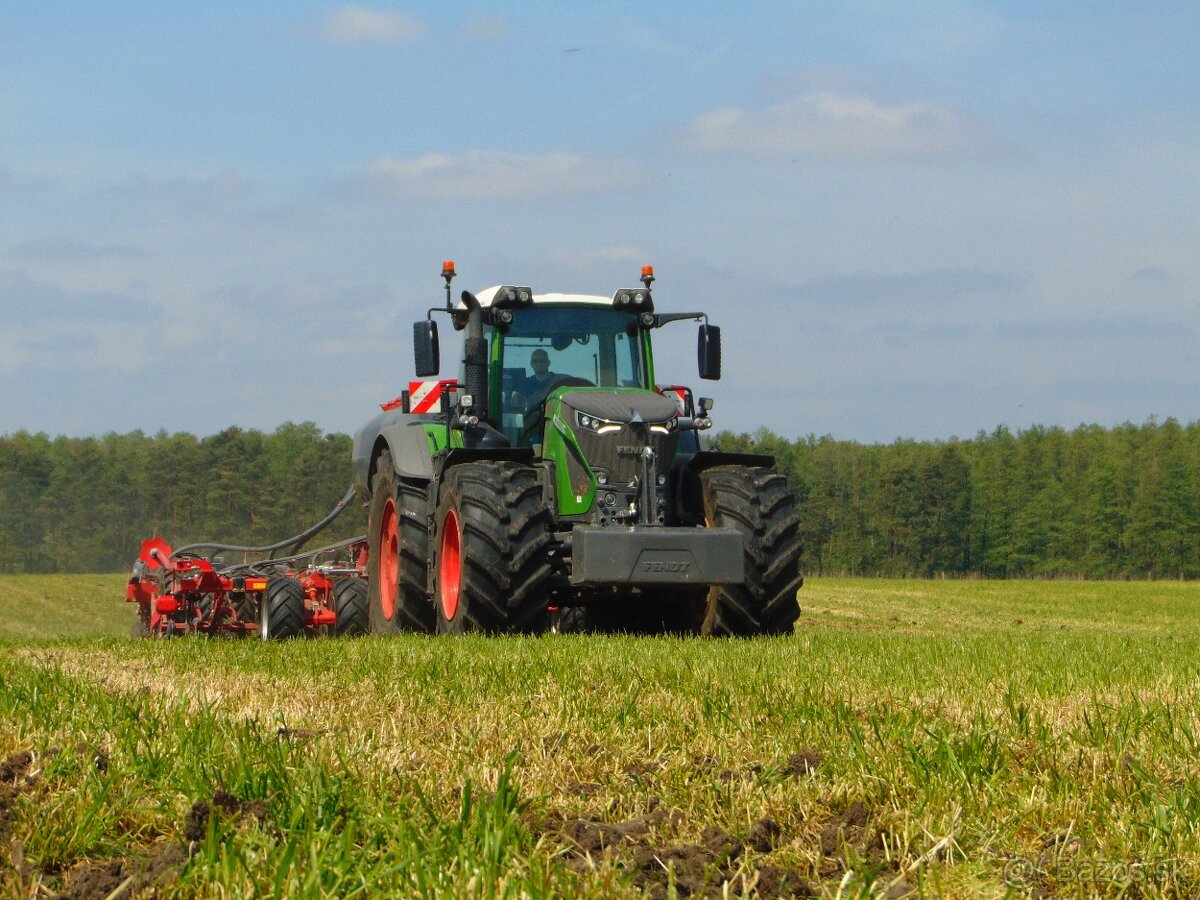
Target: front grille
x: 632, y: 421
x: 619, y: 453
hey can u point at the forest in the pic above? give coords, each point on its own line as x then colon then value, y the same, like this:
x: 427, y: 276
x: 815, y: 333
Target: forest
x: 1092, y: 502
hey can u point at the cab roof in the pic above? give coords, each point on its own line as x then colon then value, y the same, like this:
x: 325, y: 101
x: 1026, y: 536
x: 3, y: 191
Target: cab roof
x: 487, y: 295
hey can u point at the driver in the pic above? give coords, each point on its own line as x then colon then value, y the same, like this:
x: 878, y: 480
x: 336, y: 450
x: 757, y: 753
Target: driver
x: 537, y: 383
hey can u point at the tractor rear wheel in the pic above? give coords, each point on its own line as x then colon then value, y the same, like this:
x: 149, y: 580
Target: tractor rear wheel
x: 757, y: 502
x: 397, y: 551
x: 281, y: 610
x: 492, y: 562
x: 350, y: 607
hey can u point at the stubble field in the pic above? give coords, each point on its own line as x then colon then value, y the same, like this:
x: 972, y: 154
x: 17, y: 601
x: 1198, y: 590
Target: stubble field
x: 912, y: 738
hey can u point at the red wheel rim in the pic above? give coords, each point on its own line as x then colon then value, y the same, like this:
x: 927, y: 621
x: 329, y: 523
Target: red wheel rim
x: 389, y: 560
x: 450, y: 566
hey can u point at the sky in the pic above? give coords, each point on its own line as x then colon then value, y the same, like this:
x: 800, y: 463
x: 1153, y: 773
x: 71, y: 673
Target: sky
x: 919, y: 220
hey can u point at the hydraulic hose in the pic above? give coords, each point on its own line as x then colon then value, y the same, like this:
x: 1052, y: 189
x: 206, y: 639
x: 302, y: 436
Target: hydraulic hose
x: 259, y: 566
x: 295, y: 542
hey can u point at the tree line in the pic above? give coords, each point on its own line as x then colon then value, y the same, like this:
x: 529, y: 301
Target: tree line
x: 86, y: 504
x: 1092, y: 502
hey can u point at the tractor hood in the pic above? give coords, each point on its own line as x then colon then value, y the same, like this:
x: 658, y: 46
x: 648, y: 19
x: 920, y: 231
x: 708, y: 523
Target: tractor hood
x: 623, y: 407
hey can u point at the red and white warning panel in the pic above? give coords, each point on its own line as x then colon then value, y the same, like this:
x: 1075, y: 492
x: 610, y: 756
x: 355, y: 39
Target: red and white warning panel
x: 423, y: 396
x: 681, y: 394
x: 426, y: 396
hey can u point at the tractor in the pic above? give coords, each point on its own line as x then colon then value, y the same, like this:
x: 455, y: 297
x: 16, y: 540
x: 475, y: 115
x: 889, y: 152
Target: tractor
x: 553, y: 485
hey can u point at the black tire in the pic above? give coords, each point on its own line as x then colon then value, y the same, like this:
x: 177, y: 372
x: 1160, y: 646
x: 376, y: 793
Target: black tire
x: 140, y: 629
x: 492, y: 564
x: 757, y: 503
x: 281, y: 611
x: 397, y: 553
x: 572, y: 620
x: 202, y: 608
x: 350, y: 607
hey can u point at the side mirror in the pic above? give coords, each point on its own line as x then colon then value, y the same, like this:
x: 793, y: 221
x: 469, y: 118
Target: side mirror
x: 708, y: 352
x: 425, y: 348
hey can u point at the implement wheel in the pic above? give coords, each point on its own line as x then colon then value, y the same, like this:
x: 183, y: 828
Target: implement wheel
x: 757, y: 503
x: 492, y: 561
x: 281, y: 610
x: 350, y: 607
x: 397, y: 550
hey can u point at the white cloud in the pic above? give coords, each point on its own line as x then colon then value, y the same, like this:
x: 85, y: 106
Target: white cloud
x: 353, y: 24
x: 823, y: 123
x: 496, y: 173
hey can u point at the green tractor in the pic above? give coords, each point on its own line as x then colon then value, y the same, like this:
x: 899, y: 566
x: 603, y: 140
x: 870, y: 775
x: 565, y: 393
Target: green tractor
x: 554, y: 485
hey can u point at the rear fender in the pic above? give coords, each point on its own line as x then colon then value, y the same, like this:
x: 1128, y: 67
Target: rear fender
x: 405, y: 436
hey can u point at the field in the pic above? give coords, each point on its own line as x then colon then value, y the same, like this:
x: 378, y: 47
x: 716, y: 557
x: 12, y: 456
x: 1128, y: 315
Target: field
x: 964, y: 738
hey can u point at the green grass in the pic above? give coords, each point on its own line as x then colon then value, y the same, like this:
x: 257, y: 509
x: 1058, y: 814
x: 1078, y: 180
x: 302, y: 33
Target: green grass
x: 974, y: 738
x: 63, y: 606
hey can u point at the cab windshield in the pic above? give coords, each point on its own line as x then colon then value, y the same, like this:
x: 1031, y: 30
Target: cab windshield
x: 546, y: 347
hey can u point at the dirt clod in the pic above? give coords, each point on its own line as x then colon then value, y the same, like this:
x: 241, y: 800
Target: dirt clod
x: 720, y: 843
x: 713, y: 867
x: 129, y: 876
x: 804, y: 761
x: 592, y: 836
x: 195, y: 825
x: 776, y: 882
x: 15, y: 766
x: 763, y: 834
x: 14, y: 778
x: 847, y: 825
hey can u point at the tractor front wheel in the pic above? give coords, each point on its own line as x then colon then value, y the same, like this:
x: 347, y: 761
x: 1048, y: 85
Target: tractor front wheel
x: 757, y: 502
x: 281, y: 610
x: 350, y: 607
x: 492, y: 562
x: 397, y: 551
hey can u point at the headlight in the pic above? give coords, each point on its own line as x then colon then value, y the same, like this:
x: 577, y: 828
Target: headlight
x: 594, y: 424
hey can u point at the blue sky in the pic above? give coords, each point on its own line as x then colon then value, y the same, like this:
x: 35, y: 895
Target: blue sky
x: 909, y: 222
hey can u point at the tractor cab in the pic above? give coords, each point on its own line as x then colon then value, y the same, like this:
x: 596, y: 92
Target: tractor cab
x: 576, y: 343
x: 524, y: 350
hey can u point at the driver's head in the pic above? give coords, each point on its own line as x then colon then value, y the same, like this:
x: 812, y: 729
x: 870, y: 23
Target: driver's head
x: 540, y: 361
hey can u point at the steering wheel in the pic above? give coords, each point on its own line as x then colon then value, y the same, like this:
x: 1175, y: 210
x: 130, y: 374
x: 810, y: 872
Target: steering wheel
x: 533, y: 414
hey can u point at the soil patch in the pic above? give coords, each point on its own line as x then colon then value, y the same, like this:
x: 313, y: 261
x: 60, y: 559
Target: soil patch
x: 763, y: 834
x: 713, y: 867
x: 847, y: 827
x: 15, y: 766
x: 226, y: 806
x: 14, y: 778
x: 124, y: 877
x: 804, y: 761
